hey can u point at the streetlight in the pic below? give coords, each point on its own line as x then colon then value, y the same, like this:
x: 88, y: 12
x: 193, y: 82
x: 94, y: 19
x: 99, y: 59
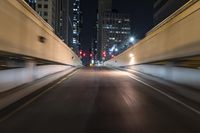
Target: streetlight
x: 131, y: 39
x: 131, y: 55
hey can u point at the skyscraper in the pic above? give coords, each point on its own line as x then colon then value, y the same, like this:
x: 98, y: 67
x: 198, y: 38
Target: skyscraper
x: 103, y: 6
x: 75, y: 19
x: 116, y: 30
x: 68, y: 22
x: 62, y: 20
x: 113, y: 30
x: 47, y: 10
x: 64, y: 16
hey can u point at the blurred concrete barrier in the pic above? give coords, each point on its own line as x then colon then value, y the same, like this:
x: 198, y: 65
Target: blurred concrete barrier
x: 15, y: 77
x: 183, y: 76
x: 9, y: 97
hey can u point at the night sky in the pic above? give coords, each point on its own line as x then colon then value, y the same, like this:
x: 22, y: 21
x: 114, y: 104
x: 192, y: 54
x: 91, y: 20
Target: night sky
x: 141, y: 12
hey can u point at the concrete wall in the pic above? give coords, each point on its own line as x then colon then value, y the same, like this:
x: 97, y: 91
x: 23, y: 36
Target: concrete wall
x: 15, y: 77
x: 177, y: 37
x: 184, y: 76
x: 21, y: 33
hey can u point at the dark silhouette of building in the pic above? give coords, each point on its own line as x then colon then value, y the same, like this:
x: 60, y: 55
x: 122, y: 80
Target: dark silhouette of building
x: 76, y: 23
x: 164, y: 8
x: 62, y: 20
x: 103, y: 6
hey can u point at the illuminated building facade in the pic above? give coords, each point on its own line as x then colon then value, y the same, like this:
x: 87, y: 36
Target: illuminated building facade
x: 116, y: 29
x: 76, y: 24
x: 113, y: 29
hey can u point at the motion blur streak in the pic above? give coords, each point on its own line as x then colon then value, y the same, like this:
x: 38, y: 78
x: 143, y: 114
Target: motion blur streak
x: 102, y: 100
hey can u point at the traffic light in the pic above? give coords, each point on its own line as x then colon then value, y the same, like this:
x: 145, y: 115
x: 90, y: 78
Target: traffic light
x: 91, y: 55
x: 104, y: 54
x: 81, y: 52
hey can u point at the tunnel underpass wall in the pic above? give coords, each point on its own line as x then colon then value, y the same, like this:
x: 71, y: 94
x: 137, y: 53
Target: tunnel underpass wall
x: 12, y: 78
x: 23, y: 32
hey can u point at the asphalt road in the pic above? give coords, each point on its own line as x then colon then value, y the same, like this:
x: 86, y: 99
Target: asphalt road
x: 101, y: 100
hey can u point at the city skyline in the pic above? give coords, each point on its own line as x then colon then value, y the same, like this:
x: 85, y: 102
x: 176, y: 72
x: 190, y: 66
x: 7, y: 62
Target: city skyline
x: 75, y: 35
x: 141, y: 14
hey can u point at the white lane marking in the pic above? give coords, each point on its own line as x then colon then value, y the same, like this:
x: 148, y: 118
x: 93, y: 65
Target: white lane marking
x: 167, y: 95
x: 36, y: 97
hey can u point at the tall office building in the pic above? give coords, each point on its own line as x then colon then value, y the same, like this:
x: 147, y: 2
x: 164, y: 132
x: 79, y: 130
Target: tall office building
x: 94, y: 46
x: 47, y: 10
x: 32, y: 3
x: 113, y: 30
x: 75, y: 20
x: 116, y: 30
x: 62, y: 20
x: 164, y: 8
x: 65, y: 18
x: 103, y: 6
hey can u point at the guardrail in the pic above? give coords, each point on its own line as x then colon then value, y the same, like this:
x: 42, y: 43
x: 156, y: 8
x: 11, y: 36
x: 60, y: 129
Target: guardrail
x: 12, y: 78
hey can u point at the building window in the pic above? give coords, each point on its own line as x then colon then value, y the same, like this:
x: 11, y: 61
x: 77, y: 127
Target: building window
x: 45, y: 13
x: 39, y: 6
x: 40, y: 13
x: 45, y: 6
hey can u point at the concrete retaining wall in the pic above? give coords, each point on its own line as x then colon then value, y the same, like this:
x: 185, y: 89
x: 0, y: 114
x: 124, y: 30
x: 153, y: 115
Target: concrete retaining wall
x: 184, y: 76
x: 15, y: 77
x: 6, y: 100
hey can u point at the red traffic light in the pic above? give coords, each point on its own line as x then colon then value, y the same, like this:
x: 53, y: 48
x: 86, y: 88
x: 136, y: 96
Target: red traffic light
x: 104, y: 53
x: 91, y: 55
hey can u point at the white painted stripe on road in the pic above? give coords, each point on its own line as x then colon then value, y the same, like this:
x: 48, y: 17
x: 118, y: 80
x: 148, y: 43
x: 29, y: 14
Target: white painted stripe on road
x: 165, y: 94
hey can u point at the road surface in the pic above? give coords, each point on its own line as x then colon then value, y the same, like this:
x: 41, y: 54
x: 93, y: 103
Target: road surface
x: 102, y: 100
